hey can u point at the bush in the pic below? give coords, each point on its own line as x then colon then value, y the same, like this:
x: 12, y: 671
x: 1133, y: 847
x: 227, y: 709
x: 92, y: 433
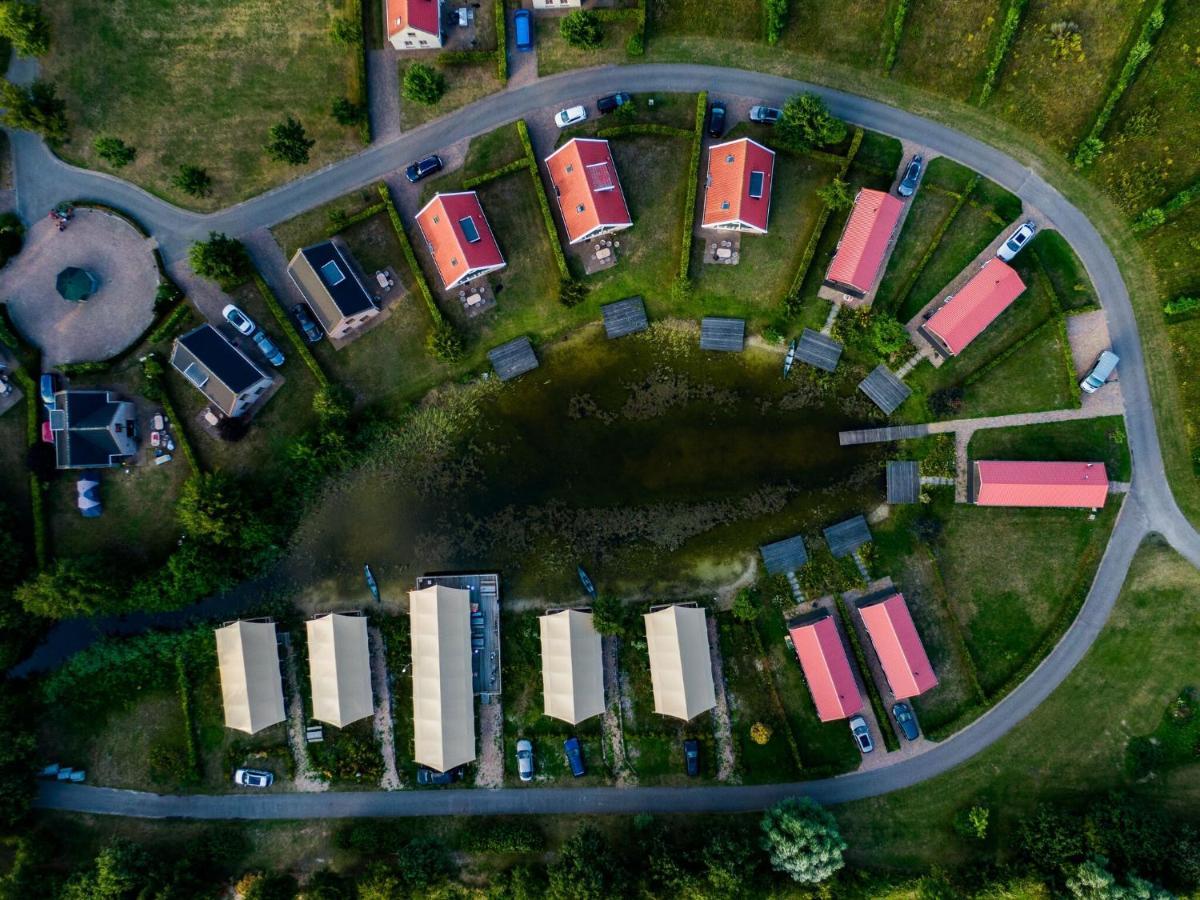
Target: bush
x: 26, y: 27
x: 807, y: 123
x: 760, y: 733
x: 581, y: 29
x: 803, y: 841
x: 572, y: 292
x: 193, y: 180
x: 1008, y: 33
x: 1150, y: 218
x: 746, y: 605
x: 165, y: 295
x: 221, y: 258
x: 973, y: 823
x: 1181, y: 305
x: 775, y: 13
x: 887, y: 335
x: 12, y: 239
x: 1065, y: 40
x: 423, y: 84
x: 347, y: 31
x: 444, y: 343
x: 114, y: 151
x: 897, y: 30
x: 636, y: 45
x: 836, y: 195
x: 288, y: 142
x: 345, y: 112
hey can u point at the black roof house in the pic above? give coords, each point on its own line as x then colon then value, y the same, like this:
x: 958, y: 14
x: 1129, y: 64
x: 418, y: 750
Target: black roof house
x: 92, y: 429
x: 326, y: 278
x: 219, y: 370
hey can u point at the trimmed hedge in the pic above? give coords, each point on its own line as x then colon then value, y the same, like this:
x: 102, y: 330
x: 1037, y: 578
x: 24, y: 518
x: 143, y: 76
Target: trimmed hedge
x: 1008, y: 353
x: 618, y: 131
x: 936, y: 241
x: 359, y: 92
x: 184, y: 690
x: 1157, y: 215
x: 410, y: 256
x: 516, y: 165
x: 1008, y: 33
x: 689, y: 210
x: 290, y: 329
x: 551, y: 230
x: 775, y: 13
x: 464, y: 57
x: 897, y: 32
x: 83, y: 368
x: 37, y: 491
x: 890, y: 741
x: 361, y: 216
x: 169, y: 323
x: 501, y: 10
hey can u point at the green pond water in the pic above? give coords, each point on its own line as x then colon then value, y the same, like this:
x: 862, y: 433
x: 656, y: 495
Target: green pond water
x: 658, y: 467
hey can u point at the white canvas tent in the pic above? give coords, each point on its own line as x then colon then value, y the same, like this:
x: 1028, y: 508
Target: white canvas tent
x: 443, y: 695
x: 680, y: 662
x: 339, y: 666
x: 572, y: 668
x: 251, y: 689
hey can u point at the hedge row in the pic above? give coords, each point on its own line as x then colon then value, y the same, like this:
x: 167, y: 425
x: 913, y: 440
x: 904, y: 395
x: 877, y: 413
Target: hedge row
x: 289, y: 328
x: 897, y: 30
x: 935, y: 241
x: 169, y: 323
x: 881, y: 714
x: 37, y: 491
x: 410, y: 256
x: 618, y: 131
x: 775, y: 14
x: 1090, y: 146
x: 361, y: 216
x: 689, y: 210
x: 181, y: 437
x: 544, y: 202
x: 1180, y: 306
x: 1157, y: 215
x: 183, y: 688
x: 517, y: 165
x: 501, y: 8
x: 1008, y: 33
x: 359, y: 85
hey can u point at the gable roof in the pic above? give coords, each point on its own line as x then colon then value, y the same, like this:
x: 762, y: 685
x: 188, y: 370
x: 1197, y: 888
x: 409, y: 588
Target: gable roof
x: 826, y: 667
x: 728, y: 193
x: 680, y: 661
x: 445, y: 221
x: 443, y: 694
x: 865, y: 240
x: 589, y: 192
x: 966, y: 314
x: 91, y: 429
x: 898, y: 646
x: 572, y: 668
x: 624, y: 317
x: 1052, y: 484
x: 329, y: 283
x: 717, y: 333
x: 251, y: 686
x: 230, y: 372
x: 885, y: 389
x: 903, y: 481
x: 339, y: 666
x: 422, y: 15
x: 818, y: 350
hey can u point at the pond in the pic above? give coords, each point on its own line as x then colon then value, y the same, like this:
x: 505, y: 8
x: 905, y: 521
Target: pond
x: 658, y: 467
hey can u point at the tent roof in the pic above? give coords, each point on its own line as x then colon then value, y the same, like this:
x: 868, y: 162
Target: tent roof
x: 251, y: 688
x: 572, y: 667
x: 443, y: 697
x: 680, y: 661
x: 339, y: 666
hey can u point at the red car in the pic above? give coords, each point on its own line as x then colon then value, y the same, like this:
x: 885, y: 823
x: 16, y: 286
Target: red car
x: 47, y: 434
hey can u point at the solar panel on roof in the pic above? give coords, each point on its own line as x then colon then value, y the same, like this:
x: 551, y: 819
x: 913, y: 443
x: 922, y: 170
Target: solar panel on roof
x: 196, y: 375
x: 600, y: 177
x: 332, y: 273
x: 756, y: 184
x: 470, y: 232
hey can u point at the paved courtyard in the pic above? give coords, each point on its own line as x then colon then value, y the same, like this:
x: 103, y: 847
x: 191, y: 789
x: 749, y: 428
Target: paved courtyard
x: 120, y: 310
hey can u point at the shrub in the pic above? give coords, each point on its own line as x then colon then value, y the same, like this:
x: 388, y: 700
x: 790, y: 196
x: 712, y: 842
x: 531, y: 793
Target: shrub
x: 887, y: 335
x: 12, y: 239
x: 973, y: 822
x: 221, y: 258
x: 836, y: 195
x: 193, y: 180
x: 581, y: 29
x: 572, y: 292
x: 1180, y: 305
x: 347, y: 31
x: 165, y: 294
x: 444, y: 343
x: 423, y: 84
x: 169, y: 325
x: 345, y: 112
x: 1065, y: 40
x: 26, y: 27
x: 1150, y: 218
x: 760, y: 733
x: 807, y: 123
x: 636, y: 45
x: 897, y: 30
x: 288, y: 142
x: 114, y: 151
x: 746, y: 605
x: 36, y: 108
x: 775, y: 13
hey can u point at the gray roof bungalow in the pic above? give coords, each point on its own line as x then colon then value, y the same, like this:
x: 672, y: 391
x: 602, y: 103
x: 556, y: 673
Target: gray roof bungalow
x: 92, y: 429
x: 329, y: 283
x: 219, y: 370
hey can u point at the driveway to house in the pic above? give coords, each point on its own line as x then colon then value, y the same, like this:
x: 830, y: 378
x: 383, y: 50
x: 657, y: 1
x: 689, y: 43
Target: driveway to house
x: 43, y: 180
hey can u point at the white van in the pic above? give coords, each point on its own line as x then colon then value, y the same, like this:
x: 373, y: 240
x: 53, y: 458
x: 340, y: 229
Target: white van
x: 1103, y: 368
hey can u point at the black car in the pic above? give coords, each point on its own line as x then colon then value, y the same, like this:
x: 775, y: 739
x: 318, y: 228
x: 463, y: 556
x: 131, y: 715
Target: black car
x: 423, y: 168
x: 691, y: 757
x: 716, y: 119
x: 312, y: 331
x: 429, y: 776
x: 611, y: 102
x: 912, y: 175
x: 907, y: 721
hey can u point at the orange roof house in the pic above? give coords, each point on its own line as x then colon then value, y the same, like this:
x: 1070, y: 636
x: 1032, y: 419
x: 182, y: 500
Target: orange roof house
x: 737, y: 192
x: 826, y: 667
x: 589, y: 193
x: 898, y: 646
x: 966, y: 314
x: 414, y: 24
x: 1081, y: 485
x: 459, y: 237
x: 864, y: 243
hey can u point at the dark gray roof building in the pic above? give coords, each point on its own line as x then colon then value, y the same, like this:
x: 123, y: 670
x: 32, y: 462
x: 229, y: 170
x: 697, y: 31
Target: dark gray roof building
x: 624, y: 317
x: 219, y: 370
x: 818, y: 350
x: 722, y: 334
x: 784, y: 556
x: 846, y: 537
x: 92, y: 429
x: 903, y: 481
x: 885, y: 389
x: 513, y: 359
x: 328, y: 281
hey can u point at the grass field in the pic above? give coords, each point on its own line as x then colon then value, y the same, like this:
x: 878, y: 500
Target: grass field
x: 200, y: 84
x: 1068, y: 279
x: 944, y: 48
x: 555, y: 55
x: 929, y: 210
x: 465, y: 83
x: 852, y: 30
x: 739, y: 21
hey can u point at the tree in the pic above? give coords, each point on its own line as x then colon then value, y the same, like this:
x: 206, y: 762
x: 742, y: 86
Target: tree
x: 17, y: 753
x: 287, y: 142
x: 36, y: 108
x: 581, y: 29
x: 221, y: 258
x: 444, y: 343
x: 572, y: 292
x: 119, y: 871
x: 730, y: 864
x: 26, y: 27
x: 78, y: 586
x: 745, y: 605
x: 802, y: 840
x: 585, y: 869
x: 609, y: 615
x: 807, y: 123
x: 887, y: 335
x: 345, y: 112
x: 836, y: 195
x: 193, y: 180
x: 423, y: 84
x: 272, y: 886
x: 1051, y: 838
x: 214, y: 508
x: 114, y: 151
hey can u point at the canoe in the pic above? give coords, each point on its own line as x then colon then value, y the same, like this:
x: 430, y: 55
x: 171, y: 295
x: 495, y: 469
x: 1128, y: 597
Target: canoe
x: 372, y: 584
x: 587, y: 582
x: 789, y: 359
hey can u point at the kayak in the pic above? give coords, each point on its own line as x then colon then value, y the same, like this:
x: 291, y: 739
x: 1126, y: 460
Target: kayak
x: 587, y: 582
x: 372, y: 584
x: 789, y: 359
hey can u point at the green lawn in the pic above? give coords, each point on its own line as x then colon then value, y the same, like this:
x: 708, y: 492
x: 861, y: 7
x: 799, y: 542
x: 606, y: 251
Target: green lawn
x: 944, y: 47
x: 492, y: 150
x: 948, y: 175
x: 1092, y: 440
x: 929, y: 210
x: 320, y: 222
x: 1067, y: 276
x: 555, y: 55
x: 398, y: 646
x: 14, y: 490
x: 740, y: 21
x: 465, y: 83
x: 200, y: 84
x: 850, y: 30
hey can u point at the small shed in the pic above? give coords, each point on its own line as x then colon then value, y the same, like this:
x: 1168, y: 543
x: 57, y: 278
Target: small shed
x: 513, y: 359
x: 784, y: 556
x: 846, y: 537
x: 75, y: 284
x: 624, y: 317
x: 885, y: 389
x: 818, y: 350
x: 722, y: 334
x: 903, y: 481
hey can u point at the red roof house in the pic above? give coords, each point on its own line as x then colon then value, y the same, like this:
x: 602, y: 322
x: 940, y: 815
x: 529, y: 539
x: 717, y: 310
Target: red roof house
x: 459, y: 237
x: 826, y: 668
x: 966, y: 314
x: 865, y: 241
x: 414, y: 24
x: 1055, y: 484
x: 589, y: 193
x: 898, y: 646
x: 737, y: 192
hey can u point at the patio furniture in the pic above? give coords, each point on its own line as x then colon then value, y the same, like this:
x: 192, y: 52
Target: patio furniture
x: 724, y: 253
x: 384, y: 281
x: 603, y: 253
x: 474, y: 300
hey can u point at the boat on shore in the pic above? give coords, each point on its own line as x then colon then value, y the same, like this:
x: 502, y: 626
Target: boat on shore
x: 789, y: 359
x: 586, y: 582
x: 372, y: 584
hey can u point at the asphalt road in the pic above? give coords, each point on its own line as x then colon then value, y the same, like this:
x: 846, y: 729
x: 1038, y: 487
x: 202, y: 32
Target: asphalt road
x: 42, y: 180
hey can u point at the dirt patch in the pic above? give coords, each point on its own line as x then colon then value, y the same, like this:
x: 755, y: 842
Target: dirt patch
x: 383, y: 711
x: 489, y: 770
x: 722, y: 729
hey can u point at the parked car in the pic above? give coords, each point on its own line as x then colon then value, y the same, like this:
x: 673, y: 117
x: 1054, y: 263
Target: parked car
x: 423, y: 168
x: 6, y: 387
x: 572, y: 116
x: 907, y: 721
x: 269, y: 350
x: 1100, y: 372
x: 691, y: 757
x: 255, y: 778
x: 87, y: 494
x: 574, y: 751
x: 908, y: 184
x: 525, y: 760
x: 47, y: 434
x: 716, y: 119
x: 523, y: 29
x: 862, y: 734
x: 311, y: 330
x: 1019, y: 239
x: 430, y: 776
x: 611, y: 102
x: 47, y: 386
x: 765, y: 115
x: 238, y: 319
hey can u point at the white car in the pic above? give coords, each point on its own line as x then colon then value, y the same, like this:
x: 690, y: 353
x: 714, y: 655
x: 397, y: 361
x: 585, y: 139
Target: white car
x: 525, y: 760
x: 255, y: 778
x: 1103, y: 369
x: 238, y: 319
x: 1019, y: 239
x: 572, y: 116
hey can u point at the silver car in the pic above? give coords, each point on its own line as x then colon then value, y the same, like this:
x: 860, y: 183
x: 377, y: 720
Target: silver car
x: 862, y: 734
x: 1104, y: 367
x: 524, y: 760
x: 255, y: 778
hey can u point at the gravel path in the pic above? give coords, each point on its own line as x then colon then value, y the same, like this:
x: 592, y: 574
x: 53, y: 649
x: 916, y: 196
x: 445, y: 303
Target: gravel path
x: 489, y: 768
x: 304, y: 779
x: 383, y: 710
x: 722, y: 727
x: 614, y: 734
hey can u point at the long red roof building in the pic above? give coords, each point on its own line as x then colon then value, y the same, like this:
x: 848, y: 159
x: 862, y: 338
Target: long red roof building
x: 459, y: 237
x: 737, y: 192
x: 589, y: 193
x: 826, y: 668
x: 864, y: 243
x: 1082, y: 485
x: 965, y: 315
x: 898, y: 646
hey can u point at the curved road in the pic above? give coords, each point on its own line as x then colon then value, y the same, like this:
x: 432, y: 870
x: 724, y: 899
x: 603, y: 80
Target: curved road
x: 43, y: 180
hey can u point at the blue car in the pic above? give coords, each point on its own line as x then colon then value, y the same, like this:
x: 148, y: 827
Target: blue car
x: 269, y: 350
x: 574, y: 756
x: 523, y: 23
x: 47, y: 387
